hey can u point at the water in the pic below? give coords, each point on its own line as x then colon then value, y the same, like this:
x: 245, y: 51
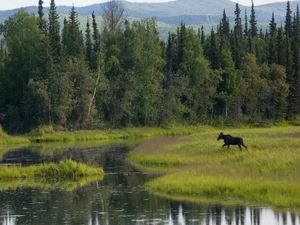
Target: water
x: 119, y: 199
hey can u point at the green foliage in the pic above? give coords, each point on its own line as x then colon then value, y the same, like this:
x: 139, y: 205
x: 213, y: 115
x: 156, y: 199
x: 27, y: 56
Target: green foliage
x: 54, y: 33
x: 129, y: 77
x: 72, y: 39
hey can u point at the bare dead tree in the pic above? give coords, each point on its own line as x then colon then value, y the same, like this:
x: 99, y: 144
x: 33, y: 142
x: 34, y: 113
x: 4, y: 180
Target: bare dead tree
x: 113, y: 15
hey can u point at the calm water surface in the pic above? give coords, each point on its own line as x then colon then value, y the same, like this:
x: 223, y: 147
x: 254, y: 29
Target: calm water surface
x: 119, y: 199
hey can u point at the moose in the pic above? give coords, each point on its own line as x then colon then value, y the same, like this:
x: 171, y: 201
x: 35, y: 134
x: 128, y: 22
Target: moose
x: 230, y: 140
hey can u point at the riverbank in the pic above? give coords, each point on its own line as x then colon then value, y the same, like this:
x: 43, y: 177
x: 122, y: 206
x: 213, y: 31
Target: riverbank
x: 48, y: 135
x: 196, y: 168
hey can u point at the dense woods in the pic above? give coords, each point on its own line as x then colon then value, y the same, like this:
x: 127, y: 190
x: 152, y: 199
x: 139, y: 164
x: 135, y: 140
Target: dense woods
x: 121, y: 74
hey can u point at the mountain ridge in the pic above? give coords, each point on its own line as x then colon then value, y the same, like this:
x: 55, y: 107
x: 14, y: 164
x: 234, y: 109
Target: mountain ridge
x: 187, y: 11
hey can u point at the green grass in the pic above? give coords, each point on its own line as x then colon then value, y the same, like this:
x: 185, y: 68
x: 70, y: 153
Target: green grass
x: 64, y: 170
x: 196, y: 168
x: 110, y: 134
x: 46, y: 134
x: 5, y: 139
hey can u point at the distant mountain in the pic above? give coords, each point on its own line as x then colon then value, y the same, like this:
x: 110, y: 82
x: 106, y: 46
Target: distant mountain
x: 173, y: 12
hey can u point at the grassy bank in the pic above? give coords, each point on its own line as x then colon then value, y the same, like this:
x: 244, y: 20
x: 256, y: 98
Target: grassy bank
x: 48, y: 135
x: 196, y: 168
x: 65, y: 170
x: 5, y: 139
x: 112, y: 134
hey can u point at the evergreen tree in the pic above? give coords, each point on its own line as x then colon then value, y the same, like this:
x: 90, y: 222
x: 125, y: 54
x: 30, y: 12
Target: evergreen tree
x: 171, y: 54
x: 181, y: 41
x: 280, y: 44
x: 212, y: 51
x: 246, y: 30
x: 202, y: 37
x: 54, y: 32
x: 238, y: 30
x: 288, y: 21
x: 237, y: 38
x: 294, y: 80
x: 272, y: 54
x: 96, y: 44
x: 72, y: 36
x: 88, y: 45
x: 224, y: 31
x: 253, y: 22
x: 42, y: 24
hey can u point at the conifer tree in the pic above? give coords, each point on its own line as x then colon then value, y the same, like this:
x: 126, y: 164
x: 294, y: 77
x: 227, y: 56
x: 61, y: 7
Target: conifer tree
x: 246, y: 30
x: 224, y: 31
x: 72, y: 39
x: 181, y: 41
x: 202, y: 36
x: 294, y: 80
x: 171, y: 54
x: 88, y: 45
x: 237, y: 37
x: 54, y: 32
x: 212, y: 51
x: 238, y: 30
x: 280, y: 44
x: 288, y: 20
x: 96, y: 44
x: 42, y: 24
x: 272, y: 54
x: 253, y: 22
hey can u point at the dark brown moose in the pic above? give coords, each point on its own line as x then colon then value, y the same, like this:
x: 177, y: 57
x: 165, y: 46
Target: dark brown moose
x: 230, y: 140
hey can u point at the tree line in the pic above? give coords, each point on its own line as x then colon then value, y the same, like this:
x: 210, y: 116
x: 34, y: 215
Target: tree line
x: 122, y: 74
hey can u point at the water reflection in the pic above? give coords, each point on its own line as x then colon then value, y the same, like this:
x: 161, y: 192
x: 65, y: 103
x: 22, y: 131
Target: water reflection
x: 8, y: 219
x: 118, y: 200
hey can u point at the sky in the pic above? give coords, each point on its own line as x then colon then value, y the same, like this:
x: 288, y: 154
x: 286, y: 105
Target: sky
x: 11, y: 4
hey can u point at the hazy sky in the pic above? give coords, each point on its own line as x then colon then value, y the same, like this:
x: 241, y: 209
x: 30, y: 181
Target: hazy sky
x: 10, y: 4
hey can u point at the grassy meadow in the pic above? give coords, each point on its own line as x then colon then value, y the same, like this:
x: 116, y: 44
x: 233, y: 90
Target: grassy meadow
x: 196, y: 167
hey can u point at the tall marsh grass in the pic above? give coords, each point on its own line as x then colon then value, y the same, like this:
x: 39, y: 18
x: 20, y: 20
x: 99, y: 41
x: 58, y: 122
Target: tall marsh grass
x: 63, y: 170
x: 197, y: 168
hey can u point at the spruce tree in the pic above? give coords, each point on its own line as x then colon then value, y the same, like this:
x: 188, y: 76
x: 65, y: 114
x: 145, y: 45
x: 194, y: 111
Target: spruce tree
x: 294, y: 80
x: 213, y: 53
x: 181, y: 41
x: 272, y: 54
x: 202, y: 36
x: 42, y: 24
x: 246, y: 30
x: 96, y: 44
x: 288, y: 21
x: 238, y: 30
x: 171, y: 54
x: 280, y: 44
x: 88, y: 45
x: 237, y: 37
x: 253, y: 22
x: 54, y: 32
x: 224, y: 31
x: 73, y: 40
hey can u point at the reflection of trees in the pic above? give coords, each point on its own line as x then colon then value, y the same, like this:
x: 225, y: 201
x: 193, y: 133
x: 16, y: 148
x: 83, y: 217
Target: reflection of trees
x: 9, y: 219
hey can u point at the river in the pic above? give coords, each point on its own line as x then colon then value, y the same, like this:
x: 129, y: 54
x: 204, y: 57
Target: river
x: 119, y: 199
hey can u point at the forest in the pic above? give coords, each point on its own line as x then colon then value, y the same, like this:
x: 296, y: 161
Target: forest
x: 120, y: 74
